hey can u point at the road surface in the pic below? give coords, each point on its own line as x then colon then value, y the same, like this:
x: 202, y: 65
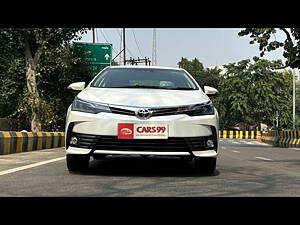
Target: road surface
x: 244, y: 168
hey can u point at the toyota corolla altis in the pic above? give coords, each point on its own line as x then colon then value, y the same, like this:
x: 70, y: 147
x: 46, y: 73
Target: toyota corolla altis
x: 142, y: 110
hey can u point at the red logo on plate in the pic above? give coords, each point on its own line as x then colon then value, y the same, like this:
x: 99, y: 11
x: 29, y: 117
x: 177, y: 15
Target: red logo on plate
x: 125, y: 131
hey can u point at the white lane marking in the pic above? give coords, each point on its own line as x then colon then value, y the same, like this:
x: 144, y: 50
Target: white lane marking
x: 223, y: 147
x: 264, y: 158
x: 29, y: 166
x: 236, y: 151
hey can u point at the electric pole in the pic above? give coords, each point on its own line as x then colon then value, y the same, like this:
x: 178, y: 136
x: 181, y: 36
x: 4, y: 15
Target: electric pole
x: 93, y: 35
x: 124, y: 47
x: 154, y: 55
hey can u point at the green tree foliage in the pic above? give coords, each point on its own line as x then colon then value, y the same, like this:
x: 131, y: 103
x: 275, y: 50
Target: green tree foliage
x: 114, y: 63
x: 253, y: 93
x: 203, y: 76
x: 31, y: 57
x: 265, y: 37
x: 59, y: 68
x: 11, y: 67
x: 249, y: 92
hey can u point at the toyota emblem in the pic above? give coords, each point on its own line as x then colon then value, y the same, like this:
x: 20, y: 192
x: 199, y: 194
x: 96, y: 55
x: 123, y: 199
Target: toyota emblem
x: 143, y: 114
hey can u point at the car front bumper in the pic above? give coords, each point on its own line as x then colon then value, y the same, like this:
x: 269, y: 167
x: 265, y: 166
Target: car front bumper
x: 187, y: 134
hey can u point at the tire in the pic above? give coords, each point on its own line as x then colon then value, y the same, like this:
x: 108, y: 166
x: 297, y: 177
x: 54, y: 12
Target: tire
x: 205, y: 165
x: 78, y: 162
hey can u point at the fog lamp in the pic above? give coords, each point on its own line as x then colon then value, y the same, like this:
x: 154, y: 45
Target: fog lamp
x: 210, y: 143
x: 73, y: 140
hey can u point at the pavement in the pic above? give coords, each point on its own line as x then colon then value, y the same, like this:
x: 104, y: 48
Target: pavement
x: 245, y: 168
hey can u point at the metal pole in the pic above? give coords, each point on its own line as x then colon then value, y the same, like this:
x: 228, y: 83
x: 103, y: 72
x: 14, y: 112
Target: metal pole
x: 93, y: 35
x: 277, y: 119
x: 294, y: 87
x: 124, y: 52
x: 294, y: 99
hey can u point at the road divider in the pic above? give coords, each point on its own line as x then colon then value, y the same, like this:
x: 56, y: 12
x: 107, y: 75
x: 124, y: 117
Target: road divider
x: 15, y: 142
x: 283, y: 138
x: 239, y: 134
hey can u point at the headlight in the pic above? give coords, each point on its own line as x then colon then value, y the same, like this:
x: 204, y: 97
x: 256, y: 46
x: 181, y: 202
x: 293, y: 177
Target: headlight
x: 89, y: 107
x: 206, y: 108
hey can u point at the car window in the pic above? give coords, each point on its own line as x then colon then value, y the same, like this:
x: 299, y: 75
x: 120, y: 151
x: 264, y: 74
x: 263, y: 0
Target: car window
x: 144, y: 78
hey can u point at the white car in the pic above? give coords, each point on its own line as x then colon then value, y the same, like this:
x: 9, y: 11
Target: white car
x: 142, y: 110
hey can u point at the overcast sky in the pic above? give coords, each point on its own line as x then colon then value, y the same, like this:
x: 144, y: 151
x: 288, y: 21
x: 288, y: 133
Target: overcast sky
x: 211, y: 46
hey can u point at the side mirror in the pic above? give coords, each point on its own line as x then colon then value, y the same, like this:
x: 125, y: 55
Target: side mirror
x: 210, y: 91
x: 78, y: 86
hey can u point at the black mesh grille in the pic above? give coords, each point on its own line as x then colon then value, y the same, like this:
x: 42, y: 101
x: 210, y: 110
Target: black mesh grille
x: 122, y: 111
x: 112, y: 143
x: 156, y: 111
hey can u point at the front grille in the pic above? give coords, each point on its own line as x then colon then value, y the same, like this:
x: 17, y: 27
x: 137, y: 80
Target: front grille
x: 122, y: 111
x: 156, y: 111
x: 112, y: 143
x: 164, y: 111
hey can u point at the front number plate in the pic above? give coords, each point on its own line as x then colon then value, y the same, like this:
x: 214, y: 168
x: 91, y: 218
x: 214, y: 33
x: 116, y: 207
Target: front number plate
x: 142, y: 131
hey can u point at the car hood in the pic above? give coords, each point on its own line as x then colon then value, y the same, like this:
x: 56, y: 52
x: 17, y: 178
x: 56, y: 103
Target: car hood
x: 143, y: 97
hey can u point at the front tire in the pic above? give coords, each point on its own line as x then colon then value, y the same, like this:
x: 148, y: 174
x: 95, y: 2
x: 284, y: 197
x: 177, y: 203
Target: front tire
x: 78, y: 162
x: 205, y: 164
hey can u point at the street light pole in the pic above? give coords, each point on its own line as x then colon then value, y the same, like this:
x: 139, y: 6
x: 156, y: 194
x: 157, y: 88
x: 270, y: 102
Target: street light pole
x: 294, y: 87
x: 294, y: 99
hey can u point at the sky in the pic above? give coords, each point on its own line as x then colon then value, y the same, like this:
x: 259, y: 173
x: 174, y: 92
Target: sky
x: 212, y: 46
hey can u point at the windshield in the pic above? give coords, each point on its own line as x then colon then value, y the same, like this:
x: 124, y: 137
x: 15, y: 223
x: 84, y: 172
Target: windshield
x: 144, y: 78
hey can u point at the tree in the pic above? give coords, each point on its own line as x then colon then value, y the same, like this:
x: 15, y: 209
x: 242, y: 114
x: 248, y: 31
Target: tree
x: 253, y: 92
x: 263, y: 37
x: 203, y: 76
x: 29, y: 45
x: 114, y: 63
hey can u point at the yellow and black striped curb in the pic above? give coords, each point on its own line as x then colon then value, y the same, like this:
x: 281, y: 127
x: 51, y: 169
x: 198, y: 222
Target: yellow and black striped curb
x: 287, y: 138
x: 239, y: 134
x: 14, y: 142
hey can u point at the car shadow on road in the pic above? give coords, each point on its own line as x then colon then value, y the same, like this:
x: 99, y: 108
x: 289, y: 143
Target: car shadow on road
x: 145, y: 167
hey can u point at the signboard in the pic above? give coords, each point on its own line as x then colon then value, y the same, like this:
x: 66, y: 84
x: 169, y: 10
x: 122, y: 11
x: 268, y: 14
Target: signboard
x: 98, y: 55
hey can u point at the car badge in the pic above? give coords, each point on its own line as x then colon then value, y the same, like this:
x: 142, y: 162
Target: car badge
x: 143, y: 114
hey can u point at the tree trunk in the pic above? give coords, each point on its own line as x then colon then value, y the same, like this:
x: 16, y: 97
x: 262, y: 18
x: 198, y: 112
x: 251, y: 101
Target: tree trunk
x: 32, y: 87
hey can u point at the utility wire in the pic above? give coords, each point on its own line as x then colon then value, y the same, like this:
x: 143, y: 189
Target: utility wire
x: 125, y: 46
x: 136, y: 42
x: 107, y: 40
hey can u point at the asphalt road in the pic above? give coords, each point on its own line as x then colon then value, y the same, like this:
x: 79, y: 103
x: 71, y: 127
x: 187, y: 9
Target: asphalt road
x: 244, y: 168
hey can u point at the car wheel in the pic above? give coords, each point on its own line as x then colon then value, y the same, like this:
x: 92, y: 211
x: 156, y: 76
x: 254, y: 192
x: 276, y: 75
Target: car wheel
x: 78, y: 162
x: 205, y: 165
